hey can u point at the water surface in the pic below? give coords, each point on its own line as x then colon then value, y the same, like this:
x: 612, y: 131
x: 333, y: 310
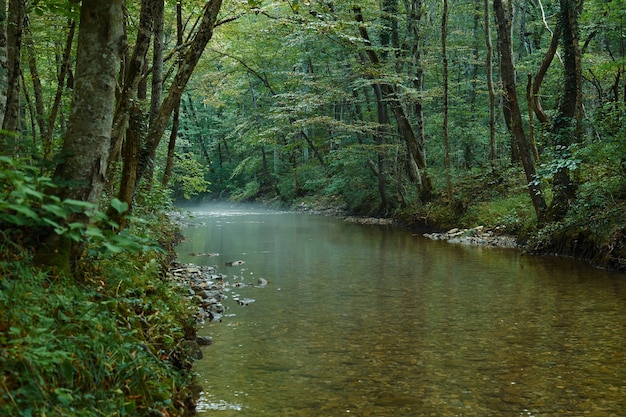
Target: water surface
x: 376, y: 321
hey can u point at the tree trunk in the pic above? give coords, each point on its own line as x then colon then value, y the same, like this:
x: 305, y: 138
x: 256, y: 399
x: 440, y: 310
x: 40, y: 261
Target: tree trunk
x: 444, y: 55
x: 86, y: 146
x: 63, y: 72
x: 85, y: 150
x: 538, y: 79
x: 132, y: 76
x: 416, y: 150
x: 37, y: 88
x: 567, y: 123
x: 512, y: 110
x: 157, y: 61
x: 186, y: 68
x: 490, y: 89
x: 171, y: 148
x: 130, y: 156
x: 4, y: 80
x: 383, y: 122
x: 15, y: 25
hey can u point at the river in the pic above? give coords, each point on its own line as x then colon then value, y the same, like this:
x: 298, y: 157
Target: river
x: 379, y: 321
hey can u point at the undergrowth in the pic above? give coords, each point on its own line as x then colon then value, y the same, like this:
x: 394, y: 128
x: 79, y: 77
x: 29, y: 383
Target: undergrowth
x: 106, y: 347
x: 107, y: 344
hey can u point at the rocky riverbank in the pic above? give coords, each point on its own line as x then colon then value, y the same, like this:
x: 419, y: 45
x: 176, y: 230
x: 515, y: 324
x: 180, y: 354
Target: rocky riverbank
x: 476, y: 236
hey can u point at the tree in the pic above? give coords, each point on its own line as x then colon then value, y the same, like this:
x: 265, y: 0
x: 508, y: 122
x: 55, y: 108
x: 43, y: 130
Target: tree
x: 190, y: 59
x: 14, y: 29
x: 85, y: 151
x: 446, y: 83
x: 416, y: 149
x: 511, y: 109
x: 490, y: 89
x: 567, y: 125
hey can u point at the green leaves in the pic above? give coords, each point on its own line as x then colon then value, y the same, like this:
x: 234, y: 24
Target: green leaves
x: 26, y: 202
x: 120, y: 206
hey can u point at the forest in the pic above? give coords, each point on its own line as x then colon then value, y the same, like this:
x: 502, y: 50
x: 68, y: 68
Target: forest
x: 507, y: 114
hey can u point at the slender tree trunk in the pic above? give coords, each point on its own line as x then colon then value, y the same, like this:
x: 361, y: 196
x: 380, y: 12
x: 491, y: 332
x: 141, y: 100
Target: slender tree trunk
x: 40, y: 113
x: 132, y: 76
x: 15, y: 25
x: 63, y: 73
x: 490, y: 89
x: 531, y: 121
x: 444, y: 55
x: 157, y: 60
x: 186, y: 68
x: 383, y: 122
x: 511, y: 108
x: 538, y: 78
x: 171, y: 148
x: 4, y: 70
x: 130, y: 156
x: 416, y: 149
x: 415, y: 13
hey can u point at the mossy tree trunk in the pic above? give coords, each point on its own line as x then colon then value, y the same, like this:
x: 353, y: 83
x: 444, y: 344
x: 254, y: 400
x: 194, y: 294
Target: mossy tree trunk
x: 85, y: 151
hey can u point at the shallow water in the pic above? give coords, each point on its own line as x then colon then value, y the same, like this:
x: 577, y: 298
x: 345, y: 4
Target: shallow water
x: 376, y: 321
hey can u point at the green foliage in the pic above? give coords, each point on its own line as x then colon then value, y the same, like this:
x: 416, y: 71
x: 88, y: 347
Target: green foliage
x: 247, y: 193
x: 108, y: 345
x: 88, y: 351
x: 28, y: 206
x: 188, y: 177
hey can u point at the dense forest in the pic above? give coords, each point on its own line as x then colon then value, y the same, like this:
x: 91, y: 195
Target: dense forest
x: 507, y: 114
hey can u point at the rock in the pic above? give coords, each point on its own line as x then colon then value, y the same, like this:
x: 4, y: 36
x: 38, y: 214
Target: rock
x: 191, y: 348
x: 204, y: 340
x: 235, y: 263
x: 245, y: 301
x: 476, y: 236
x: 262, y: 282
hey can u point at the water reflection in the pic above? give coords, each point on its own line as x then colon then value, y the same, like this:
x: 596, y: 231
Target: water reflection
x: 374, y: 321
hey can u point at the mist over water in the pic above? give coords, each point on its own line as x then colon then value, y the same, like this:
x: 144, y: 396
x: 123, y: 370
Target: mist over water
x: 376, y: 321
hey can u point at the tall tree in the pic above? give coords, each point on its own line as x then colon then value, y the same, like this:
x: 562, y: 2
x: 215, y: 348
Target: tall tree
x: 14, y: 29
x: 511, y: 109
x: 567, y: 123
x: 85, y: 151
x: 444, y: 56
x: 417, y: 151
x: 4, y: 81
x: 191, y: 56
x: 490, y: 89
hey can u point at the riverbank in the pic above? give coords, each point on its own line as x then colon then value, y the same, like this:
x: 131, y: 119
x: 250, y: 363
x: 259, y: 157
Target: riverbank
x: 505, y: 220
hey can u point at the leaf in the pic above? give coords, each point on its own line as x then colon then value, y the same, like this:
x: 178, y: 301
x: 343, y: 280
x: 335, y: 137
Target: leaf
x: 64, y: 395
x: 112, y: 248
x: 120, y: 206
x: 94, y: 231
x: 26, y: 211
x: 56, y: 210
x: 79, y: 203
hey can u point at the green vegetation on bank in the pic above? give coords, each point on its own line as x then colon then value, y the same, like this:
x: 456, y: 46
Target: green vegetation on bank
x: 103, y: 341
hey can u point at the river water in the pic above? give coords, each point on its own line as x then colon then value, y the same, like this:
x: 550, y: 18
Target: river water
x: 378, y: 321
